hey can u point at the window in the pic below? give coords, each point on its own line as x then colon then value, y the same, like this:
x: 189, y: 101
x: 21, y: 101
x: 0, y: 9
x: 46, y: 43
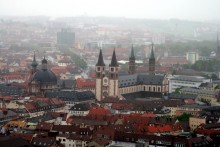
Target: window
x: 112, y: 69
x: 158, y: 89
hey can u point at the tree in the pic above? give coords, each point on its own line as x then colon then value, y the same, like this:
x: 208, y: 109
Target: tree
x: 184, y: 117
x: 77, y: 60
x: 214, y: 77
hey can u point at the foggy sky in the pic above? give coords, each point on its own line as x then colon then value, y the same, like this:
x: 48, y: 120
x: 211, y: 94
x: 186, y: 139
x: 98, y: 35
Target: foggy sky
x: 201, y: 10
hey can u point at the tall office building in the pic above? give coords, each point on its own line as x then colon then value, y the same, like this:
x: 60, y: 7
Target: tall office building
x: 65, y: 39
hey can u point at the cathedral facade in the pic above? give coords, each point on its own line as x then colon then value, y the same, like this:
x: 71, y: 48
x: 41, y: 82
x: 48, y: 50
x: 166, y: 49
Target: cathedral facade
x: 110, y: 84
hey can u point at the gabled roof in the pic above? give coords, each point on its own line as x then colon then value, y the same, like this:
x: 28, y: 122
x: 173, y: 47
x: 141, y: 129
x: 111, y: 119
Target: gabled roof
x: 142, y: 78
x: 71, y: 95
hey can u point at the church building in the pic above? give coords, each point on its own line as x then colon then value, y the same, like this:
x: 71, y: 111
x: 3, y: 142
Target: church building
x: 41, y: 80
x: 110, y: 84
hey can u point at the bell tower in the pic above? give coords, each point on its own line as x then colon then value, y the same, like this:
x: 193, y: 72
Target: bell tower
x: 100, y: 74
x: 113, y: 76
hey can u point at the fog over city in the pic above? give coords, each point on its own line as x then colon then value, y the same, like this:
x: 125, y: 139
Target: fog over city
x: 109, y: 73
x: 201, y: 10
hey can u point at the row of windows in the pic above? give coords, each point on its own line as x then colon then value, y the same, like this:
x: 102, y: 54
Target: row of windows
x: 135, y: 89
x: 184, y: 82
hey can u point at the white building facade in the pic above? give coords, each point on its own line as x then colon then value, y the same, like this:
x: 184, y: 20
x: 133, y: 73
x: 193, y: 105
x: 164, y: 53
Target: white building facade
x: 179, y: 81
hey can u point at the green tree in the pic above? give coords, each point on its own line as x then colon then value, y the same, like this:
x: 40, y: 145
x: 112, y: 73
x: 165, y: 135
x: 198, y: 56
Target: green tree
x: 214, y: 77
x: 184, y: 117
x: 77, y: 60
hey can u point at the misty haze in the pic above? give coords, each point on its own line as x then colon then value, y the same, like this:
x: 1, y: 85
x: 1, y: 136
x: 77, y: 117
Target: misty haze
x: 119, y: 73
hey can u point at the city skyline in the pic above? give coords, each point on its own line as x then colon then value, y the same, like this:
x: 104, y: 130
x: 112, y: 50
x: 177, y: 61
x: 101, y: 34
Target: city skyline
x: 199, y: 10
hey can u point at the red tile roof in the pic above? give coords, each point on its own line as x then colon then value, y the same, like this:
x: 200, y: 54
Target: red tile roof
x: 82, y: 83
x: 99, y: 111
x: 171, y: 61
x: 44, y: 126
x: 25, y: 136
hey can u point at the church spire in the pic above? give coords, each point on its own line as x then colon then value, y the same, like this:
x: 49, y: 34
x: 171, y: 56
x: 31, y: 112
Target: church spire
x: 132, y: 68
x: 152, y: 52
x: 132, y: 52
x: 114, y: 60
x: 34, y: 62
x: 152, y: 61
x: 100, y: 59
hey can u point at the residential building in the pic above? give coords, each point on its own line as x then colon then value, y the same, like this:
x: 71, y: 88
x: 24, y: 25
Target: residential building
x: 207, y: 96
x: 194, y: 122
x: 192, y: 57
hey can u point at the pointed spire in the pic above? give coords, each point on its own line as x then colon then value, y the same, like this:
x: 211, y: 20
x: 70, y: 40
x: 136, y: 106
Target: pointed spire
x: 100, y: 59
x: 114, y: 60
x: 34, y: 62
x: 152, y: 52
x: 132, y: 52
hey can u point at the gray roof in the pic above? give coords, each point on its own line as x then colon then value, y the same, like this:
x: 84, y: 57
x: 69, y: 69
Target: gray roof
x: 45, y: 77
x: 42, y: 118
x: 196, y: 106
x: 189, y: 78
x: 71, y: 95
x: 198, y: 91
x: 142, y: 95
x: 66, y: 84
x: 10, y: 90
x: 182, y: 96
x: 80, y: 107
x: 8, y: 114
x: 139, y: 79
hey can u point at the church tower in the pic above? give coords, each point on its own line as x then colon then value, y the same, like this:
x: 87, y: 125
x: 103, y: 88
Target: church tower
x: 113, y: 76
x: 33, y: 70
x: 152, y: 61
x: 100, y: 78
x: 132, y: 68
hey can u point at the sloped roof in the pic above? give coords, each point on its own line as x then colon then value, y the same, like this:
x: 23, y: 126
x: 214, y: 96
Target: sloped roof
x: 142, y: 78
x: 71, y: 95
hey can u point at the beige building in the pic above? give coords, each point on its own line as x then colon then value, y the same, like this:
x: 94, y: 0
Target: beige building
x: 194, y: 122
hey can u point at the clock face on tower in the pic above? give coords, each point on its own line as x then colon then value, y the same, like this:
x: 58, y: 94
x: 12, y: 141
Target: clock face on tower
x: 105, y: 81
